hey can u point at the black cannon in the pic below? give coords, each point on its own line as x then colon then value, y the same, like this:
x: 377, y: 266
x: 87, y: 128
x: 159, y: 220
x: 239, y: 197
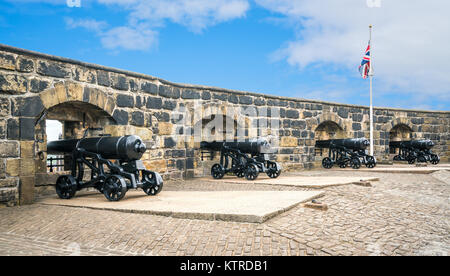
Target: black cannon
x: 248, y: 158
x: 113, y: 179
x: 414, y: 150
x: 346, y: 152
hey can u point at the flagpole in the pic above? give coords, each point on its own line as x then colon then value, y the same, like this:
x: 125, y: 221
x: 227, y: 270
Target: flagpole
x: 370, y: 77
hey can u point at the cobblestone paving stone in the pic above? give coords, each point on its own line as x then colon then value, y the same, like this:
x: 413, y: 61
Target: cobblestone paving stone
x: 402, y: 214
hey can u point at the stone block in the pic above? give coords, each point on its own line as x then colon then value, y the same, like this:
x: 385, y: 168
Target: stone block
x: 110, y: 105
x: 5, y: 107
x: 165, y: 128
x: 289, y: 142
x: 169, y: 142
x: 9, y: 149
x: 2, y: 168
x: 27, y: 167
x: 245, y: 99
x: 84, y: 75
x: 49, y: 98
x: 190, y: 94
x: 169, y: 92
x: 134, y: 85
x: 27, y: 106
x: 38, y: 85
x: 149, y: 87
x: 53, y: 69
x: 119, y: 82
x: 120, y: 116
x: 73, y: 92
x: 154, y: 103
x: 26, y: 190
x: 7, y: 61
x: 26, y: 128
x: 8, y: 195
x: 103, y: 78
x: 137, y: 118
x: 159, y: 166
x: 13, y: 84
x: 292, y: 114
x: 123, y: 100
x: 206, y: 95
x: 25, y: 65
x: 27, y: 149
x: 169, y: 105
x: 8, y: 182
x: 145, y: 133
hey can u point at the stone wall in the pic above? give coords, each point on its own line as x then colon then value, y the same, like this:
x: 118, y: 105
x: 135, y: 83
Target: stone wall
x: 35, y: 87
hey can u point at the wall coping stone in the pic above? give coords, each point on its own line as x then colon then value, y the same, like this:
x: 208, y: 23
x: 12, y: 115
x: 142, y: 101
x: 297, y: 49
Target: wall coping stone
x: 16, y: 50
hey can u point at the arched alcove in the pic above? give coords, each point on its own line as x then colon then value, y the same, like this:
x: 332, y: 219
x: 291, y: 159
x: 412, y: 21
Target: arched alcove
x: 325, y: 131
x: 400, y: 132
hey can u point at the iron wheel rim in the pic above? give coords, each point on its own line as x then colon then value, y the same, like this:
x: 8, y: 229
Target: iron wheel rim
x: 327, y: 163
x: 114, y: 188
x: 217, y: 171
x: 65, y: 186
x: 251, y: 173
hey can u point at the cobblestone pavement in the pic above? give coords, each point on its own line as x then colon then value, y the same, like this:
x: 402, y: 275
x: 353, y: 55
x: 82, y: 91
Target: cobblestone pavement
x: 402, y: 214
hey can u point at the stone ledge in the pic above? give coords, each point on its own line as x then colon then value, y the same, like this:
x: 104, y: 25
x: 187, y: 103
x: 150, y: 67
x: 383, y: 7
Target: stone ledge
x: 15, y: 50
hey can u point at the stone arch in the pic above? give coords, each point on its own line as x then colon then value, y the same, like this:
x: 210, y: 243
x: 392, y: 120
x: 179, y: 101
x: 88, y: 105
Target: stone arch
x: 332, y: 118
x: 63, y: 92
x: 77, y: 108
x: 397, y: 121
x: 214, y: 113
x: 326, y: 130
x: 329, y: 130
x: 331, y: 121
x: 400, y: 132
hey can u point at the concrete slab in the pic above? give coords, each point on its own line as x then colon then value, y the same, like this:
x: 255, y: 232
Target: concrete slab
x: 241, y: 206
x: 316, y: 182
x: 406, y: 169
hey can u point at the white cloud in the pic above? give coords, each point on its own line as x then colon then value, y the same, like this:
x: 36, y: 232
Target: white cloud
x: 196, y: 15
x: 145, y: 17
x: 89, y: 24
x: 410, y: 39
x: 129, y: 38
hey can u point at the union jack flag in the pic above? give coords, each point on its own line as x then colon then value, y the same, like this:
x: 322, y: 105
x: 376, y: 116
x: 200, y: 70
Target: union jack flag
x: 364, y: 68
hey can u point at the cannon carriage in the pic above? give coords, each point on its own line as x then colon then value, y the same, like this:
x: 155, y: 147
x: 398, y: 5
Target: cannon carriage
x: 415, y: 150
x: 242, y: 158
x: 346, y: 152
x: 113, y: 179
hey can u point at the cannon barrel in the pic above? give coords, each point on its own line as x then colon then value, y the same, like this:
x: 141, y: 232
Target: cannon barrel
x: 351, y: 143
x: 125, y: 148
x: 413, y: 144
x: 252, y: 146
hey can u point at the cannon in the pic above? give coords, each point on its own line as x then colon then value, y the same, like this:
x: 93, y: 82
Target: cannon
x: 248, y: 158
x: 113, y: 179
x: 346, y: 152
x: 415, y: 150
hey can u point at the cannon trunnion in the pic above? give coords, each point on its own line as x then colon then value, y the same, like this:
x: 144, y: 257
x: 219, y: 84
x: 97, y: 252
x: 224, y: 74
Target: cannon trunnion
x: 346, y: 152
x: 415, y: 150
x: 113, y: 179
x: 242, y: 158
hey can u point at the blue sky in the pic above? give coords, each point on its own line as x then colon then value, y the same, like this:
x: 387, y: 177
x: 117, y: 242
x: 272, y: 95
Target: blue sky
x: 305, y: 49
